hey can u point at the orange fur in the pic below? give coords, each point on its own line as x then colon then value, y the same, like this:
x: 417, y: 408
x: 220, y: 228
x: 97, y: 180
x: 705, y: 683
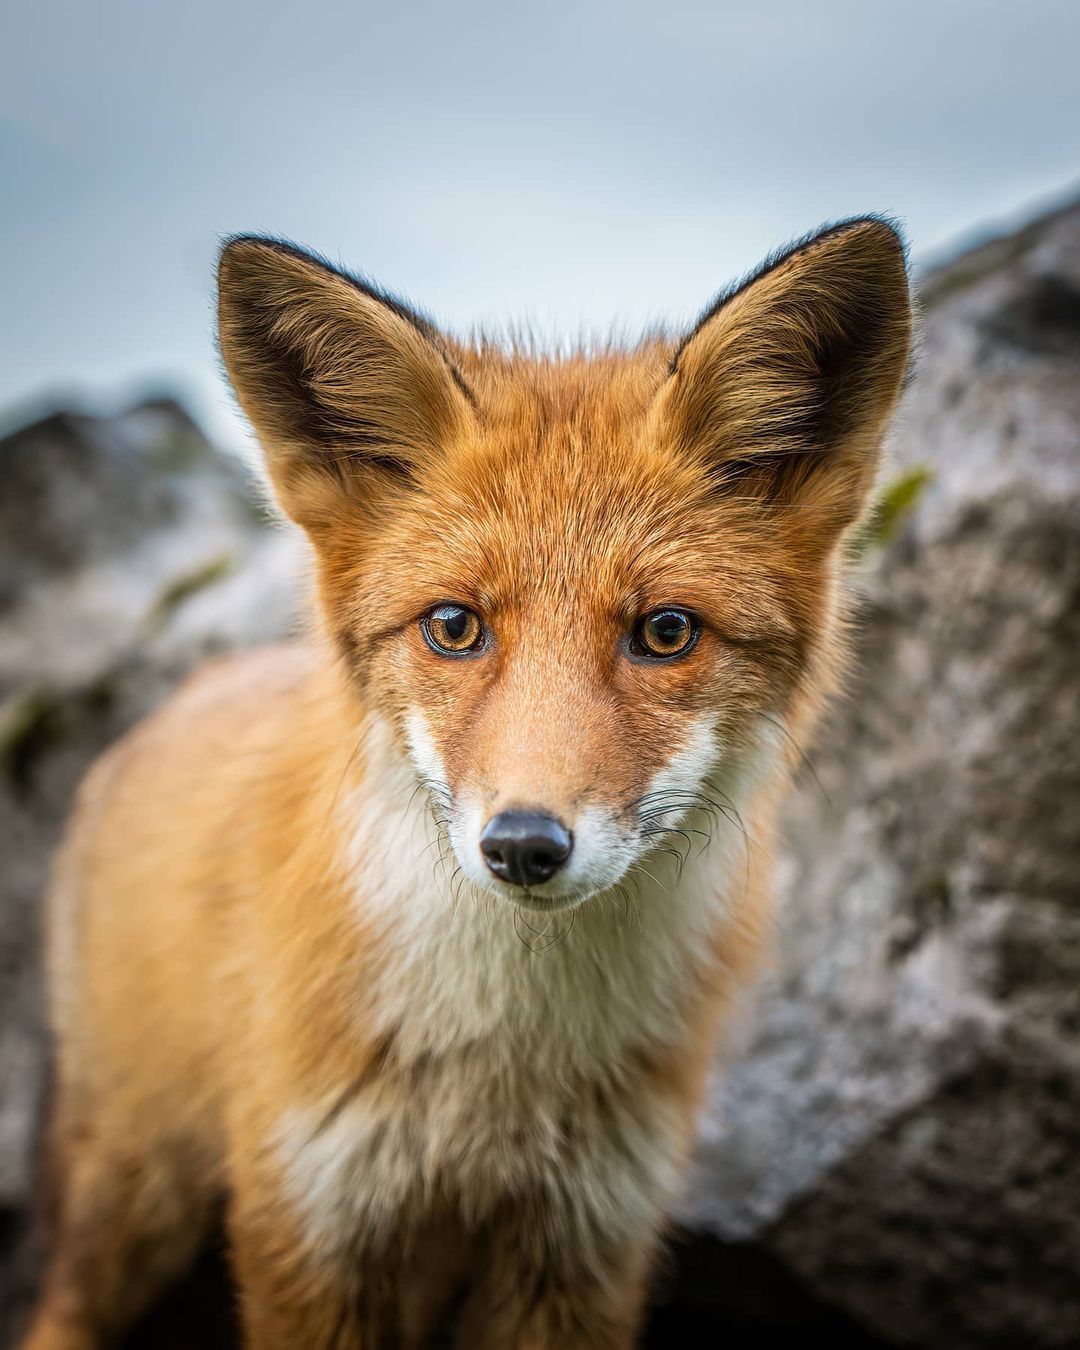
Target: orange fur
x: 277, y: 972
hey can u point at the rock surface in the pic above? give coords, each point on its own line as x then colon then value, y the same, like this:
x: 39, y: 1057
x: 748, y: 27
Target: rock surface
x: 892, y: 1155
x: 900, y: 1126
x: 130, y: 550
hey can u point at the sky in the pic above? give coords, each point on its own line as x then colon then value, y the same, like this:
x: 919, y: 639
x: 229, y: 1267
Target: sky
x: 579, y: 164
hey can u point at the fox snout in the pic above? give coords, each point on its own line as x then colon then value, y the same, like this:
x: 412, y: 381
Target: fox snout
x: 550, y: 832
x: 525, y: 848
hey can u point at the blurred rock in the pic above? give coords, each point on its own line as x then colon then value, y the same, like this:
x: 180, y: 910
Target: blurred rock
x: 900, y: 1126
x: 130, y: 550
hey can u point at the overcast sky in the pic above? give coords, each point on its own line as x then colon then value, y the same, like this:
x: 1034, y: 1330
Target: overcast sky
x: 570, y: 162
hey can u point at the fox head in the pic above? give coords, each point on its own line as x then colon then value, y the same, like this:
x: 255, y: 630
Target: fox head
x: 578, y: 589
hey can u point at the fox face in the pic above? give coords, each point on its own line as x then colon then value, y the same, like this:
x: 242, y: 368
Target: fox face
x: 569, y: 658
x: 581, y: 592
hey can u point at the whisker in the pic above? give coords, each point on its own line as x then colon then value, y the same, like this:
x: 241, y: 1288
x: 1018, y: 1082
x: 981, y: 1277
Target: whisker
x: 639, y: 867
x: 804, y: 758
x: 538, y: 932
x: 341, y: 781
x: 539, y: 948
x: 620, y: 891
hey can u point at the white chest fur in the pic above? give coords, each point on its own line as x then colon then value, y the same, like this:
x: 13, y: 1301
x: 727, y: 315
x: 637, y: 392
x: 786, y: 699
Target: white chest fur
x: 513, y: 1037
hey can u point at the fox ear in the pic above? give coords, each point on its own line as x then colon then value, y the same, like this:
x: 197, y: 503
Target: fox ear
x: 350, y: 393
x: 784, y: 388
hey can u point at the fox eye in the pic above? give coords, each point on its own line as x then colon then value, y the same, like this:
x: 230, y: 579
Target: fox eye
x: 452, y: 630
x: 664, y: 633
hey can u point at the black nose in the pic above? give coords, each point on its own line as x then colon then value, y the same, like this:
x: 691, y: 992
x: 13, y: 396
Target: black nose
x: 525, y: 847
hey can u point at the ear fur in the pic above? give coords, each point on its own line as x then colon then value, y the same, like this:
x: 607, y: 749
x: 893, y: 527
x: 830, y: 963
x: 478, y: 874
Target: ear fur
x: 349, y: 391
x: 784, y: 387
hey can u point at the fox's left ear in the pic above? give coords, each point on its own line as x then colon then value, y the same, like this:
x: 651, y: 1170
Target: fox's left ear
x: 351, y: 393
x: 784, y: 388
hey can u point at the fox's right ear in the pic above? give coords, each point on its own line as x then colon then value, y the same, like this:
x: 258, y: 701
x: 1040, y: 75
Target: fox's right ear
x: 350, y: 392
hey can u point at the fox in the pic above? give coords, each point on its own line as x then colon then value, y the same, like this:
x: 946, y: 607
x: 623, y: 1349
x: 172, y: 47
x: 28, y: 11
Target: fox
x: 407, y: 945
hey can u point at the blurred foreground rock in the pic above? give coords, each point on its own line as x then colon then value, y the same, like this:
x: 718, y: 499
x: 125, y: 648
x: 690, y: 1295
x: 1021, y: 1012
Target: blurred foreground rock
x: 893, y: 1153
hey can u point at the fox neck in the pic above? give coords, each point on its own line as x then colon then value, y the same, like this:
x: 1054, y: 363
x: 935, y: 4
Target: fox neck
x: 452, y: 966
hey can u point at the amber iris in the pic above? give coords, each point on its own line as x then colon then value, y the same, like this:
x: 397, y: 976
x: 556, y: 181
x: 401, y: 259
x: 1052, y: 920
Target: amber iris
x: 453, y: 629
x: 665, y: 632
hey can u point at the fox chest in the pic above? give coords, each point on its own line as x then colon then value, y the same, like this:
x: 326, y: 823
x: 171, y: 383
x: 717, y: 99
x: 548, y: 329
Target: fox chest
x: 516, y: 1075
x: 468, y: 1137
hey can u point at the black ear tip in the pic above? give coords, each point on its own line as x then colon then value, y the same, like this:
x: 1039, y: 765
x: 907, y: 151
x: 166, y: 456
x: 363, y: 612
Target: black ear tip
x: 240, y: 255
x: 876, y: 241
x: 244, y: 254
x: 265, y: 243
x: 880, y: 235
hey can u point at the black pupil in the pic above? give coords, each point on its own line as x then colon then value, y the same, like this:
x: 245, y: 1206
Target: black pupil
x: 668, y: 629
x: 455, y: 623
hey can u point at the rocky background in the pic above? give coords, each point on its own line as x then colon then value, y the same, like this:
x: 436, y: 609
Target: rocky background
x: 892, y: 1156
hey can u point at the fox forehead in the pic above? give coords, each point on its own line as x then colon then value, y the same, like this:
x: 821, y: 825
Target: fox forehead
x: 564, y: 493
x: 560, y: 461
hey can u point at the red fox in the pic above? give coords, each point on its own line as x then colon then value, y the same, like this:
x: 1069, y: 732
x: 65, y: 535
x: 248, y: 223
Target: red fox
x: 410, y: 943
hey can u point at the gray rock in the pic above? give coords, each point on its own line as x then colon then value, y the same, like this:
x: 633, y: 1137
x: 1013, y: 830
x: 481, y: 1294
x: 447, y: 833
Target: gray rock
x: 900, y: 1124
x: 130, y: 550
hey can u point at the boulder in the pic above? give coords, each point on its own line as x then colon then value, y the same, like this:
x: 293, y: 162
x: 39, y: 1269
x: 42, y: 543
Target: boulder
x: 130, y: 550
x: 898, y: 1126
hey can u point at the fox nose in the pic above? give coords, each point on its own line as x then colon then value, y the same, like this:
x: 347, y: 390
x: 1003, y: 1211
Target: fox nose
x: 525, y: 847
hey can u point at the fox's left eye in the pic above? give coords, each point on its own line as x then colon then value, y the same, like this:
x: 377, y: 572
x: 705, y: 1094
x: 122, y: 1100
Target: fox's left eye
x: 453, y: 630
x: 663, y: 633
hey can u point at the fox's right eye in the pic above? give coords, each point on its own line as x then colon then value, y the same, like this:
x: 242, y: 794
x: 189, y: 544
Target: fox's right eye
x: 453, y: 630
